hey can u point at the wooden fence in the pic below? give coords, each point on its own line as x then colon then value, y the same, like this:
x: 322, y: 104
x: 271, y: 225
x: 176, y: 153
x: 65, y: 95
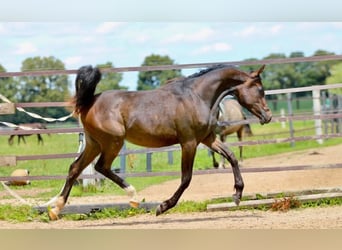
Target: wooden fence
x: 318, y: 116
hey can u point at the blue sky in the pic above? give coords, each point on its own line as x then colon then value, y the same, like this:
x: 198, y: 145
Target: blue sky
x: 128, y: 43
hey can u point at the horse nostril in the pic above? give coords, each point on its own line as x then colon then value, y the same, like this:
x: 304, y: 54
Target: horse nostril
x: 267, y: 109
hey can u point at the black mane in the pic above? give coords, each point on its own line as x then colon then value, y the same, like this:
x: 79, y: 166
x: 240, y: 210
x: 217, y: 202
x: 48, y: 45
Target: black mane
x: 207, y: 70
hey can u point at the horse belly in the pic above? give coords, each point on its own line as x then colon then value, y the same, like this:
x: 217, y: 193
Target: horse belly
x: 150, y: 140
x: 151, y: 132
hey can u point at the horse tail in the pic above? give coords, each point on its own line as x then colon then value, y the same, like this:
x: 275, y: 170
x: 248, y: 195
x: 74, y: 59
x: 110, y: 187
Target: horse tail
x: 86, y: 81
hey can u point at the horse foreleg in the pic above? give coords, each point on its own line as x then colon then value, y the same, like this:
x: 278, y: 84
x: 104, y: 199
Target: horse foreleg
x: 220, y: 148
x: 188, y: 155
x: 86, y: 157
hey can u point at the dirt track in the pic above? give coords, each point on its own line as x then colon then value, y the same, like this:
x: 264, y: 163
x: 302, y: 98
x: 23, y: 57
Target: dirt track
x: 205, y: 187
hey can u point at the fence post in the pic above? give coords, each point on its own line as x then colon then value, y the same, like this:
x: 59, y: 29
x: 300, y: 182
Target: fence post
x: 317, y: 111
x: 123, y: 159
x: 290, y: 112
x: 339, y: 120
x: 148, y: 162
x: 282, y: 115
x: 170, y: 157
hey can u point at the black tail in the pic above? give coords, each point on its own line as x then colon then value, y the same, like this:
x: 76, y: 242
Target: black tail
x: 86, y: 80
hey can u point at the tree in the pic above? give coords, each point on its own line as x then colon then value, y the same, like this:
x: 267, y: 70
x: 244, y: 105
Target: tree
x: 53, y: 88
x: 277, y: 76
x: 335, y: 77
x: 8, y: 86
x: 249, y: 68
x: 44, y: 88
x: 154, y: 79
x: 109, y: 80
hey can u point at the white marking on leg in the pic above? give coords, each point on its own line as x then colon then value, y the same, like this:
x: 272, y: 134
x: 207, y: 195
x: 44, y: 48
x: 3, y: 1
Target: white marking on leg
x: 57, y: 209
x: 132, y: 193
x: 53, y: 200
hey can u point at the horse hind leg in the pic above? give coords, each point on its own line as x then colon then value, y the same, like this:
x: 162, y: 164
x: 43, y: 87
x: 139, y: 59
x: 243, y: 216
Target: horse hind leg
x: 86, y: 157
x: 103, y: 166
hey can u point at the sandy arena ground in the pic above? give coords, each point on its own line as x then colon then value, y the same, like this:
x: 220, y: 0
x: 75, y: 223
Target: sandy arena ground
x: 205, y: 187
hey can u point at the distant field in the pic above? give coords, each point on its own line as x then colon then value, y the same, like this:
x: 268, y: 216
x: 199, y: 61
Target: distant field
x: 68, y: 143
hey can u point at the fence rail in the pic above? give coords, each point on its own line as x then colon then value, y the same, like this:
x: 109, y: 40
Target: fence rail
x: 177, y: 173
x: 179, y: 66
x: 287, y: 118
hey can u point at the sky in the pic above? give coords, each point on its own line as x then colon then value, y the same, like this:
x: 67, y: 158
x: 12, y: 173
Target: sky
x: 128, y: 43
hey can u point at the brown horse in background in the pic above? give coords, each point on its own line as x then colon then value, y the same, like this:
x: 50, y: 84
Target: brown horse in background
x: 184, y: 111
x: 231, y: 114
x: 27, y: 126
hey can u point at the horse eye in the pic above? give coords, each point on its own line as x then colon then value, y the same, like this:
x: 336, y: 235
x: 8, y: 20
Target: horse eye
x: 261, y: 90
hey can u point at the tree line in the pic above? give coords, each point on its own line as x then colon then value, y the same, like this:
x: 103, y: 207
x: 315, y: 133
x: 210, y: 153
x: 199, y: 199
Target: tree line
x: 57, y: 88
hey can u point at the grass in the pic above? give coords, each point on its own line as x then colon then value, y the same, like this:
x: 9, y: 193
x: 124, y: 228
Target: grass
x: 68, y: 143
x: 17, y: 214
x: 137, y: 163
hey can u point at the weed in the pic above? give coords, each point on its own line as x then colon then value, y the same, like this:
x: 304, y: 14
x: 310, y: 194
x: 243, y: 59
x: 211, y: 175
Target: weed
x: 285, y: 204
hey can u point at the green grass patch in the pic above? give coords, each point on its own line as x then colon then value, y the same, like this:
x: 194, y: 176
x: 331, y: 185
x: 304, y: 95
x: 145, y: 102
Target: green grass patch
x: 25, y: 213
x: 21, y: 214
x: 68, y: 143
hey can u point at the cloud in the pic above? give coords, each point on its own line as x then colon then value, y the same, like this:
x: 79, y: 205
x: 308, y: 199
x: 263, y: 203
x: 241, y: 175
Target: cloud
x: 216, y: 47
x: 73, y: 61
x: 247, y: 32
x: 198, y: 36
x: 2, y: 28
x: 25, y: 48
x: 141, y: 38
x: 276, y: 28
x: 259, y: 30
x: 337, y: 25
x: 107, y: 27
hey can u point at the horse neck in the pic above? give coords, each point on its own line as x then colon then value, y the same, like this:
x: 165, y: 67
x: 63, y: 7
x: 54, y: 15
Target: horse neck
x: 214, y: 87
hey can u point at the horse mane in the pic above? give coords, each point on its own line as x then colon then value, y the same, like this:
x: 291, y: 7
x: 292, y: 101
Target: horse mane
x: 176, y: 79
x: 198, y: 74
x: 212, y: 68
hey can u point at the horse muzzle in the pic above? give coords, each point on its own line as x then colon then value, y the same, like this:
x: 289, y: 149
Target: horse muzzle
x: 265, y: 117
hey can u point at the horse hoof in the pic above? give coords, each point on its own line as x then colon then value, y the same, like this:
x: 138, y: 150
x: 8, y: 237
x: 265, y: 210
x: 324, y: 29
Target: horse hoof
x: 134, y: 204
x: 236, y: 200
x: 159, y: 210
x: 52, y: 215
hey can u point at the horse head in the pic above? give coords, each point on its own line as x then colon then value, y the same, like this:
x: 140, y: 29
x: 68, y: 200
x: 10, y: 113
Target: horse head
x: 251, y: 95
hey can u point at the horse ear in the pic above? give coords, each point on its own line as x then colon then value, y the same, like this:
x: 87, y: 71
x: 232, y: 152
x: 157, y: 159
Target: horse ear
x: 258, y: 72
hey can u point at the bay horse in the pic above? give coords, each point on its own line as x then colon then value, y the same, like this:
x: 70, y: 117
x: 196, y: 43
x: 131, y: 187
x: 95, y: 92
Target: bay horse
x: 181, y: 112
x: 231, y: 112
x: 27, y: 126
